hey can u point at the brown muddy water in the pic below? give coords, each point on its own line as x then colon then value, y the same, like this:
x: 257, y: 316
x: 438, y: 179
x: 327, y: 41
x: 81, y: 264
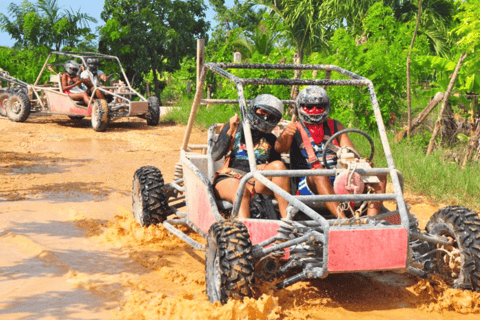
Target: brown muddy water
x: 70, y: 249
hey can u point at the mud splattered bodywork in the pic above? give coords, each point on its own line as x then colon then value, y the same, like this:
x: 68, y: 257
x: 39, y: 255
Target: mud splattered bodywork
x: 309, y: 247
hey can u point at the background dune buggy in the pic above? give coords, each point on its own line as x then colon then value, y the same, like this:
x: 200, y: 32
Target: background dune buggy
x: 240, y: 253
x: 122, y: 100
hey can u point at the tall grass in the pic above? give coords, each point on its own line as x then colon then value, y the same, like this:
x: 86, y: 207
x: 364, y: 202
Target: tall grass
x: 435, y: 176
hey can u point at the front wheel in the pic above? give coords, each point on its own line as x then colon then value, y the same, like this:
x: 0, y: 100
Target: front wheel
x: 459, y: 263
x: 229, y: 268
x: 100, y: 115
x: 150, y: 205
x: 153, y: 115
x: 18, y: 107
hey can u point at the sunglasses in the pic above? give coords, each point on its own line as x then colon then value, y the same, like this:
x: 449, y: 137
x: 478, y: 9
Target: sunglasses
x: 311, y: 106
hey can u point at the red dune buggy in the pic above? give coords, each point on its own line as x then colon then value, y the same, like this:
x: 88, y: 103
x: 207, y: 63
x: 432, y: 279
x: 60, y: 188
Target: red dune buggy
x: 22, y: 99
x: 309, y: 243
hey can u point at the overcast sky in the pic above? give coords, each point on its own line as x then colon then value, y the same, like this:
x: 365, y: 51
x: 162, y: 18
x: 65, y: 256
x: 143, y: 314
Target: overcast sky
x: 92, y: 7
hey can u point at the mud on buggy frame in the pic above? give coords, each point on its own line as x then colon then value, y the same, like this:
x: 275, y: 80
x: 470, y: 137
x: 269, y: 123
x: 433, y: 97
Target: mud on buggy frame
x: 237, y: 252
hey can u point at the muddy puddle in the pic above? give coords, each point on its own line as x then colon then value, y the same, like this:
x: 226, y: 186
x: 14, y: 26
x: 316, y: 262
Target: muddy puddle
x: 70, y: 248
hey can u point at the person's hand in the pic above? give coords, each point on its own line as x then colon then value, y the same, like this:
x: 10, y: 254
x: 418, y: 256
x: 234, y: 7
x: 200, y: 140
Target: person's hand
x: 367, y: 160
x: 290, y: 129
x: 234, y: 121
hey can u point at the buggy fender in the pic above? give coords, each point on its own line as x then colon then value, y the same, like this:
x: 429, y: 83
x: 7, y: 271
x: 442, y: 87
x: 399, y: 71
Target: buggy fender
x: 61, y: 103
x: 138, y: 107
x: 367, y: 249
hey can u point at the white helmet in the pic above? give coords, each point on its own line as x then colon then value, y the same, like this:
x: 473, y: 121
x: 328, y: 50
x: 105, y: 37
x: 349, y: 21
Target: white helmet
x: 72, y: 68
x: 309, y: 97
x: 270, y: 104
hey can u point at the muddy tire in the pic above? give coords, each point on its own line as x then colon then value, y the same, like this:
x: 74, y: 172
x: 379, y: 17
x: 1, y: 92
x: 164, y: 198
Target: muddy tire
x: 3, y: 103
x: 100, y: 115
x: 18, y: 107
x: 150, y: 204
x: 153, y: 115
x: 76, y: 118
x: 229, y: 268
x: 458, y: 264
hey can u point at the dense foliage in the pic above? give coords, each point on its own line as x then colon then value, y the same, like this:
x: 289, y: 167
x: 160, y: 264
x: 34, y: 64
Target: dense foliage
x: 152, y: 35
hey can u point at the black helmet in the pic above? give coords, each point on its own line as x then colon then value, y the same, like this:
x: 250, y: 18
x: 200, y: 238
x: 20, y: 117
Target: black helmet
x: 72, y: 68
x: 313, y: 96
x: 267, y: 103
x: 92, y: 64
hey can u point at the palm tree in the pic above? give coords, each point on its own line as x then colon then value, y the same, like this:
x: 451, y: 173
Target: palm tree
x: 45, y: 23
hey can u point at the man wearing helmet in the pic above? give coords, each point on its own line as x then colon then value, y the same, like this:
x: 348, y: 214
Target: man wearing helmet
x: 263, y: 115
x: 313, y: 129
x: 93, y: 76
x: 72, y: 84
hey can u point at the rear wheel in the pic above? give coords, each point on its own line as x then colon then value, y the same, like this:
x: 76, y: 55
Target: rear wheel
x: 100, y: 115
x: 18, y: 107
x: 150, y: 205
x: 3, y: 103
x: 459, y: 263
x: 153, y: 115
x: 229, y: 268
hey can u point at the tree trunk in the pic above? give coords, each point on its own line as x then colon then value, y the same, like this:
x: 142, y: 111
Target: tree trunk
x: 298, y: 58
x: 156, y: 84
x: 422, y: 116
x: 438, y: 124
x: 449, y: 130
x: 409, y: 89
x: 473, y: 143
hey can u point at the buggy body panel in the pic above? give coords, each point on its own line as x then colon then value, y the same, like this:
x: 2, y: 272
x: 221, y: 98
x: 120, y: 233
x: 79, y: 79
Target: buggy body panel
x: 61, y: 103
x: 367, y: 249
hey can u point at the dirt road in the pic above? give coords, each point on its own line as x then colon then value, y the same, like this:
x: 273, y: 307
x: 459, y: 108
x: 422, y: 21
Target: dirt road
x: 70, y: 249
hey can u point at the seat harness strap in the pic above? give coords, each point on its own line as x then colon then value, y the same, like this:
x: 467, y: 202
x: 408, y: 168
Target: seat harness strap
x: 308, y: 142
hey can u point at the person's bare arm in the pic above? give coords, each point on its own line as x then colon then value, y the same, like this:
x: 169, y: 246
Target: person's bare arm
x: 68, y: 87
x: 343, y: 139
x: 284, y: 141
x: 220, y: 148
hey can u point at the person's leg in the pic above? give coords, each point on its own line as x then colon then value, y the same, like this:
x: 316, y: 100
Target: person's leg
x: 99, y: 94
x: 227, y: 190
x: 80, y: 96
x: 374, y: 207
x: 282, y: 182
x: 323, y: 185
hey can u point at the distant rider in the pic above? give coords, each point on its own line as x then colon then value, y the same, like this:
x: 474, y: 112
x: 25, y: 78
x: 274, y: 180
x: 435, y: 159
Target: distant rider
x: 72, y: 84
x: 93, y: 76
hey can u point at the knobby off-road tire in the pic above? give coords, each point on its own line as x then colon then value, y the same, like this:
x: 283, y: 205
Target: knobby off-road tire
x: 150, y: 205
x: 458, y: 264
x: 18, y: 107
x: 229, y: 268
x: 3, y: 103
x: 100, y: 115
x: 153, y: 115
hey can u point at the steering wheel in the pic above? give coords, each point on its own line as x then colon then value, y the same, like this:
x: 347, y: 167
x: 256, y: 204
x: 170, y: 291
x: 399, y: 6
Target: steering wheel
x: 330, y: 146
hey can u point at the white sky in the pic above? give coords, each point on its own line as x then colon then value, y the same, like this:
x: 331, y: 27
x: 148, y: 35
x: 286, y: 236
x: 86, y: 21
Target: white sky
x: 92, y: 7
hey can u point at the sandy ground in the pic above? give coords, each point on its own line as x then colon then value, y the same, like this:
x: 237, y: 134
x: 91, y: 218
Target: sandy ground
x: 70, y: 249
